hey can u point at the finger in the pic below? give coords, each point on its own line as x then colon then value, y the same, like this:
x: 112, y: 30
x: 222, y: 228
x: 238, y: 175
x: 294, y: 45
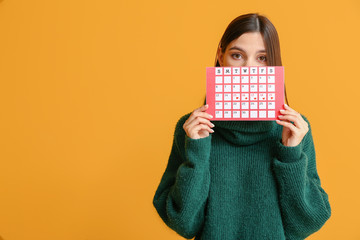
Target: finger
x: 202, y: 108
x: 198, y: 114
x: 292, y: 118
x: 196, y: 118
x: 202, y: 114
x: 199, y: 127
x: 199, y: 120
x: 289, y: 109
x: 289, y: 112
x: 287, y: 124
x: 302, y: 122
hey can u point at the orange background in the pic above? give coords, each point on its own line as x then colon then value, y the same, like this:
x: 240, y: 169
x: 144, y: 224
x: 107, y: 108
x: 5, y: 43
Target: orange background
x: 91, y: 91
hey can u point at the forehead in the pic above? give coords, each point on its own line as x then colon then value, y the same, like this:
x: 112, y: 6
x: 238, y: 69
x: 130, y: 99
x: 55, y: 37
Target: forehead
x: 252, y: 40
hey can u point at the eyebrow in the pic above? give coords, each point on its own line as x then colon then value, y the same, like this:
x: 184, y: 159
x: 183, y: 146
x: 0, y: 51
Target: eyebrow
x: 240, y: 49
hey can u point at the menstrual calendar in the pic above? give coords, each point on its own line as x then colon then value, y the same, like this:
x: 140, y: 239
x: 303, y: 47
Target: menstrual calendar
x: 245, y: 93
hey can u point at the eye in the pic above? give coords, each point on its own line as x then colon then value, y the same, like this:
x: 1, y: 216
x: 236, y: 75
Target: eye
x: 236, y: 55
x: 262, y: 58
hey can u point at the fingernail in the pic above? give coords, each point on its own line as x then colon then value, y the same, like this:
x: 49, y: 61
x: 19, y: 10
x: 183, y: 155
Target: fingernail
x: 286, y: 105
x: 206, y: 105
x: 212, y: 125
x: 212, y: 130
x: 282, y: 110
x: 210, y: 116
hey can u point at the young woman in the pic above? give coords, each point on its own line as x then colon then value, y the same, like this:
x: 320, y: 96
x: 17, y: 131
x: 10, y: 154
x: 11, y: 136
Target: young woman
x: 243, y: 180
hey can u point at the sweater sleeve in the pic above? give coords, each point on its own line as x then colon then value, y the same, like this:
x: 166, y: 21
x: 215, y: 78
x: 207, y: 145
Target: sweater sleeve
x: 304, y: 204
x: 182, y: 194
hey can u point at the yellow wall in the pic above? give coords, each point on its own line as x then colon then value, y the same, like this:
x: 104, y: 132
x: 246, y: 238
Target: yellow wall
x: 91, y: 91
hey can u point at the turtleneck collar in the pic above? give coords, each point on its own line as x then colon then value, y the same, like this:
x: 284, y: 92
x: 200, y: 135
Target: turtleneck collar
x: 244, y: 132
x: 246, y: 126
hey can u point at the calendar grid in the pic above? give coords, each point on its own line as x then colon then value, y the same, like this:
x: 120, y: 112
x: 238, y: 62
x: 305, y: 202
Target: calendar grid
x: 245, y: 93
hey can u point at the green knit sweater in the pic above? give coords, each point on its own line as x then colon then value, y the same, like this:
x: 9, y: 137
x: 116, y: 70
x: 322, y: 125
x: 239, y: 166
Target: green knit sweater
x: 241, y: 183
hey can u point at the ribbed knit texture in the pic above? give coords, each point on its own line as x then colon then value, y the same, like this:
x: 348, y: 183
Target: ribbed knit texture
x: 241, y: 183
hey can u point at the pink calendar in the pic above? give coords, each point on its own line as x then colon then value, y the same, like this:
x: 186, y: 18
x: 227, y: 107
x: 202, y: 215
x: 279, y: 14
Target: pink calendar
x: 245, y: 93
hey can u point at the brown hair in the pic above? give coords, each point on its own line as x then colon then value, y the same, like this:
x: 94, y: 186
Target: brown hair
x: 253, y: 22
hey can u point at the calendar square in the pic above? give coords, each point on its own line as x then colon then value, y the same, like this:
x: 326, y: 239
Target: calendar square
x: 271, y: 114
x: 271, y: 79
x: 271, y: 70
x: 227, y: 105
x: 253, y: 79
x: 253, y: 88
x: 236, y: 96
x: 236, y: 71
x: 227, y: 88
x: 245, y: 105
x: 236, y: 88
x: 244, y: 79
x: 227, y: 79
x: 253, y: 70
x: 245, y: 97
x: 236, y: 79
x: 262, y: 114
x: 262, y: 88
x: 236, y: 114
x: 245, y: 114
x: 253, y: 114
x: 262, y: 70
x: 227, y: 114
x: 253, y: 105
x: 271, y: 96
x: 271, y: 105
x: 245, y: 93
x: 271, y: 88
x: 236, y: 105
x: 262, y: 79
x: 227, y: 96
x: 262, y: 96
x: 253, y: 96
x: 244, y: 70
x: 262, y: 105
x: 227, y: 71
x: 244, y: 88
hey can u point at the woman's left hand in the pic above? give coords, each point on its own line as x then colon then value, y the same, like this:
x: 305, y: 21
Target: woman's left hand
x: 292, y: 134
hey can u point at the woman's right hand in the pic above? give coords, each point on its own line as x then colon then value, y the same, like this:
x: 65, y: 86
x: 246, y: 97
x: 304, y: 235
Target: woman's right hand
x: 198, y: 124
